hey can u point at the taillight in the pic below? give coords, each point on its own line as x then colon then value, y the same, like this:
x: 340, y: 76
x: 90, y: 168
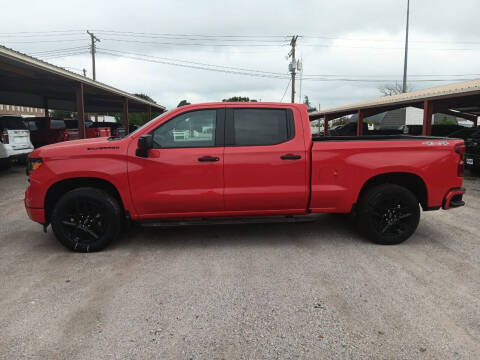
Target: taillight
x: 4, y: 137
x: 460, y: 150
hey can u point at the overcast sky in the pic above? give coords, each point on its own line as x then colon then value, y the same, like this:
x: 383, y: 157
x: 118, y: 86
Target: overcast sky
x: 347, y: 39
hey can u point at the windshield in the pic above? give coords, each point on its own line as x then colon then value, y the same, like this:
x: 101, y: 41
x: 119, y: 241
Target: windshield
x: 149, y: 122
x: 12, y: 123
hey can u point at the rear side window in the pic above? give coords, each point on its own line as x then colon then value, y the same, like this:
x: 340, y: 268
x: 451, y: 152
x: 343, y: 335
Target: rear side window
x: 57, y: 124
x: 251, y: 127
x: 12, y: 123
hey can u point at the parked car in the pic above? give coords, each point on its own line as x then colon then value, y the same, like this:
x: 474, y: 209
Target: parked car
x: 239, y: 160
x: 350, y: 129
x: 46, y: 130
x: 464, y: 133
x: 91, y: 131
x: 472, y: 145
x: 473, y: 150
x: 437, y: 130
x: 15, y: 144
x: 116, y: 129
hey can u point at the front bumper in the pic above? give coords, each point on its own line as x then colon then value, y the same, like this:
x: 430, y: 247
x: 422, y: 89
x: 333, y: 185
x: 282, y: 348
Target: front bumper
x: 453, y: 199
x: 37, y: 215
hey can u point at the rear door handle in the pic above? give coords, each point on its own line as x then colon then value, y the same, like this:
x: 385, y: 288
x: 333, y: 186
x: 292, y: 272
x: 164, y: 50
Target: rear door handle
x: 208, y: 158
x: 290, y: 157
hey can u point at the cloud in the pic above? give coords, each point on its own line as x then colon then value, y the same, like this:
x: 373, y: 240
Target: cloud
x: 359, y: 39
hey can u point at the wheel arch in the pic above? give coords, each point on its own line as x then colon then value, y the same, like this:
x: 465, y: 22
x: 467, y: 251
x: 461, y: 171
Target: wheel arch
x: 411, y: 181
x: 58, y: 189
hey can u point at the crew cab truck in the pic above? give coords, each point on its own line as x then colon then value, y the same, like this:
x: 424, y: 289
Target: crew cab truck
x: 245, y: 160
x: 46, y: 130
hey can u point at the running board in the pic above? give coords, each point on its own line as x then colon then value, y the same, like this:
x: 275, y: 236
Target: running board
x: 229, y: 221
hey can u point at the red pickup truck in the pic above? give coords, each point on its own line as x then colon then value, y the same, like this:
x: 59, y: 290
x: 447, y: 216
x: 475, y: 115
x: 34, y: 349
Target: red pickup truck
x: 45, y: 130
x: 90, y: 131
x: 224, y: 160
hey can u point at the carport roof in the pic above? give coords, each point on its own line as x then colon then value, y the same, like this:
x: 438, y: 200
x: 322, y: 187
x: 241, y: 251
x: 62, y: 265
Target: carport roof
x: 463, y: 96
x: 28, y: 81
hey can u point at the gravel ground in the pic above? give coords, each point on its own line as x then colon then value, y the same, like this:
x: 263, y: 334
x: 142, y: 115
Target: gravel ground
x: 276, y: 291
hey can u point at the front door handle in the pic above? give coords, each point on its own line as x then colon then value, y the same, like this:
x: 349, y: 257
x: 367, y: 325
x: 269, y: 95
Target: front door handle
x: 290, y: 157
x: 208, y: 158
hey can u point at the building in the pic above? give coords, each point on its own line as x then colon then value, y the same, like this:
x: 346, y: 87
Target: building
x: 21, y: 110
x: 395, y: 119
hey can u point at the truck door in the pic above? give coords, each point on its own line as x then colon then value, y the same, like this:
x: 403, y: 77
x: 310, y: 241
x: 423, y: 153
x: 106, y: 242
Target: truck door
x: 264, y: 161
x: 183, y: 174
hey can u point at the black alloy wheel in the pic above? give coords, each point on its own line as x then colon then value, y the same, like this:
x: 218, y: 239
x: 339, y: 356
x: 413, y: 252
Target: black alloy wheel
x: 86, y: 219
x: 388, y: 214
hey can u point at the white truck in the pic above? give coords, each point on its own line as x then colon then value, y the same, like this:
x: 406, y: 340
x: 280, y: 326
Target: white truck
x: 15, y: 141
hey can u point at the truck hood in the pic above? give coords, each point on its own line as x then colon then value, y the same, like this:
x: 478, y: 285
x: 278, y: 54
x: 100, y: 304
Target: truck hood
x: 76, y: 147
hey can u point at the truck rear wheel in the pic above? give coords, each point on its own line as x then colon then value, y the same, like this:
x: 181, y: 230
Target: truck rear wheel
x: 388, y: 214
x: 86, y: 219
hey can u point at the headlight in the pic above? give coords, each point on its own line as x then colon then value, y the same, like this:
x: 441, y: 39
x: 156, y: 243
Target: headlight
x: 33, y: 164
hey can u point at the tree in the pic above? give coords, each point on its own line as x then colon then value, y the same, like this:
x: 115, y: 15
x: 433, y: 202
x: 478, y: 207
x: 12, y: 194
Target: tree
x: 145, y: 97
x: 137, y: 118
x: 61, y: 114
x: 183, y: 103
x: 393, y: 89
x: 311, y: 108
x: 239, y: 99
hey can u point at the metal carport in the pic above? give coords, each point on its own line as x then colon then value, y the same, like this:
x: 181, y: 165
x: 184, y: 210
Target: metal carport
x: 27, y: 81
x: 458, y: 99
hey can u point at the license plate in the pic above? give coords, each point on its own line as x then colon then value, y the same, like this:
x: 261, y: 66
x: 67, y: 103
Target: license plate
x: 469, y: 161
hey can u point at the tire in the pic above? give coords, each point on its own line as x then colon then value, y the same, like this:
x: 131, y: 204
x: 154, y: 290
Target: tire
x: 86, y: 219
x: 388, y: 214
x: 5, y: 164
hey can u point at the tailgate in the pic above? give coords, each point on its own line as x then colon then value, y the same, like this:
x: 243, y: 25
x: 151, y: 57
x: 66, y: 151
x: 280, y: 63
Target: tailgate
x: 19, y: 139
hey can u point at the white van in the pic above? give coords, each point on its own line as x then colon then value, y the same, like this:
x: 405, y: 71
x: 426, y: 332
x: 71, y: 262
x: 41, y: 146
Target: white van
x: 15, y: 141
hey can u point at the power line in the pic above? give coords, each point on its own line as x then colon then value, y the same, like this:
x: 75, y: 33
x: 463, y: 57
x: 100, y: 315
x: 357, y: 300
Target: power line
x: 257, y: 73
x: 285, y: 92
x: 196, y: 66
x: 53, y: 51
x: 192, y: 44
x: 194, y: 62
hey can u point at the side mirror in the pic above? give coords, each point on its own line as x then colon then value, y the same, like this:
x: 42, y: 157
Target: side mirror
x: 145, y: 143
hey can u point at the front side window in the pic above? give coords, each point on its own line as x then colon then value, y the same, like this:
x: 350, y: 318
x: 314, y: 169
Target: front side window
x: 191, y: 129
x: 260, y: 127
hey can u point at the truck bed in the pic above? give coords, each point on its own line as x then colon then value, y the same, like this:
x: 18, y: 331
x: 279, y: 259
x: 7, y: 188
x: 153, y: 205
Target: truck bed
x: 376, y: 137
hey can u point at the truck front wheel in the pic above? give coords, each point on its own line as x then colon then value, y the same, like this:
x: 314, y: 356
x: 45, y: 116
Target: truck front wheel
x: 86, y: 219
x: 388, y: 214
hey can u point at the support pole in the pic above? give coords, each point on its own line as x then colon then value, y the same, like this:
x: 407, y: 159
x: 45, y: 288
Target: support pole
x: 427, y: 118
x: 293, y: 64
x: 405, y: 61
x: 361, y: 115
x: 149, y: 112
x: 125, y: 115
x: 325, y: 125
x: 80, y: 111
x: 45, y: 106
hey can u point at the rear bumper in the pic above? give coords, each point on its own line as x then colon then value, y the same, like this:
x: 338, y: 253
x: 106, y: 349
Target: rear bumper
x: 453, y: 199
x: 6, y: 151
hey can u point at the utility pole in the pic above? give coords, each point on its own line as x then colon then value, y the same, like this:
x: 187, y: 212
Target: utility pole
x: 404, y: 88
x: 292, y: 67
x: 94, y: 39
